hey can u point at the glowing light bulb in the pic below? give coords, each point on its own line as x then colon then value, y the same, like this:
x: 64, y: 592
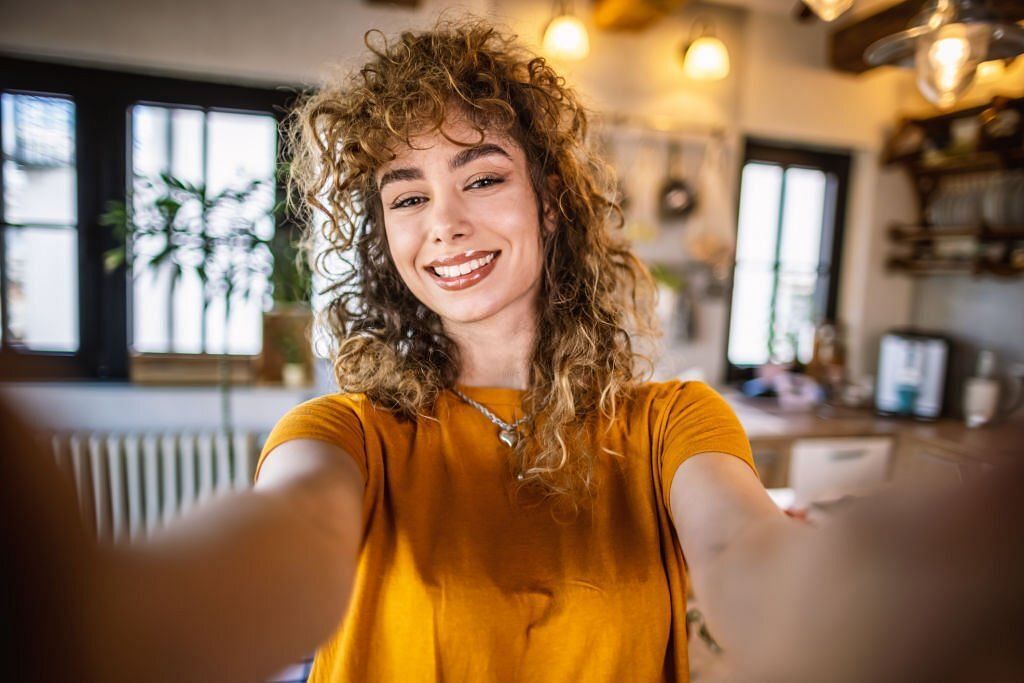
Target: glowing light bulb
x: 566, y: 38
x: 706, y: 59
x: 829, y: 10
x: 947, y: 60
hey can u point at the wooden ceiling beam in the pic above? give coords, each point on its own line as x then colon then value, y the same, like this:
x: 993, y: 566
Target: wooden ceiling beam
x: 632, y: 15
x: 847, y: 44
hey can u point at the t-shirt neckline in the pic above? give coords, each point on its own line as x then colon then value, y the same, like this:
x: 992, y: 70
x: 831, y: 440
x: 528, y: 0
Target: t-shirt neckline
x: 492, y: 395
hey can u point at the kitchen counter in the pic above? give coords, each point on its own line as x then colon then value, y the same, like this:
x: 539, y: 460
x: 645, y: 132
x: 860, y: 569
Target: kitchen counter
x: 773, y: 431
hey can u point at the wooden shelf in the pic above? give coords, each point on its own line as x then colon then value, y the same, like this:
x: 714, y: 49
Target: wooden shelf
x: 974, y: 162
x: 940, y: 266
x: 933, y: 150
x: 979, y: 249
x: 920, y: 233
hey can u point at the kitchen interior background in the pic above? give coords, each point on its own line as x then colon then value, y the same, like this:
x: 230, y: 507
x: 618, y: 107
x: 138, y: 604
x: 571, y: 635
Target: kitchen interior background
x: 781, y: 89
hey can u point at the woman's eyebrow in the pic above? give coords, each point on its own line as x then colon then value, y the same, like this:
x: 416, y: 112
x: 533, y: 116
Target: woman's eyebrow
x: 397, y: 174
x: 473, y: 153
x: 459, y: 160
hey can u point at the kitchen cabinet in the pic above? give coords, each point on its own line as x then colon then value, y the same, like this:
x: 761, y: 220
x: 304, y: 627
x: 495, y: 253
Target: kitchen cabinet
x: 829, y: 469
x: 849, y: 450
x: 922, y: 465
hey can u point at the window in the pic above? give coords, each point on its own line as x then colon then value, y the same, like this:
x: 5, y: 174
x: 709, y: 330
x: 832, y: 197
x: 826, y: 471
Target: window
x: 217, y: 151
x: 39, y: 296
x: 74, y: 139
x: 792, y: 203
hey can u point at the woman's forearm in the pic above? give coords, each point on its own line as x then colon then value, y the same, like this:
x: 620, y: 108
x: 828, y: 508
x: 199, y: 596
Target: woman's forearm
x: 747, y: 588
x: 241, y: 588
x: 901, y: 586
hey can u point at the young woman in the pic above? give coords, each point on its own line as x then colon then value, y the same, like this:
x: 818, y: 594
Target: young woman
x: 495, y: 495
x: 516, y: 503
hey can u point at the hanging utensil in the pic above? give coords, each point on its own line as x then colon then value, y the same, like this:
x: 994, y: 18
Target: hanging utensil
x: 676, y: 199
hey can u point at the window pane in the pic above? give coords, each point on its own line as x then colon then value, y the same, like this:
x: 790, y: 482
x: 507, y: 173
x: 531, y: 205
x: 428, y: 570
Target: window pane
x: 750, y: 318
x: 149, y: 140
x: 795, y: 315
x: 42, y: 287
x: 760, y: 194
x: 802, y: 218
x: 186, y: 144
x: 240, y: 149
x: 40, y: 264
x: 39, y: 158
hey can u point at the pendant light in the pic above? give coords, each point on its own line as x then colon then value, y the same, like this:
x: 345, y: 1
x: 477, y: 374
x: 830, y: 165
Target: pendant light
x: 565, y: 36
x: 945, y: 43
x: 705, y: 57
x: 829, y: 10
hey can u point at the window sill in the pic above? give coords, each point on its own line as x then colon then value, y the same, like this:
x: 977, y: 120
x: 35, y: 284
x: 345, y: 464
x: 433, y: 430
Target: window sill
x: 208, y: 369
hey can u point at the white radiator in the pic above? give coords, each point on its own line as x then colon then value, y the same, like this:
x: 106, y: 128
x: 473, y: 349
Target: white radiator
x: 129, y: 485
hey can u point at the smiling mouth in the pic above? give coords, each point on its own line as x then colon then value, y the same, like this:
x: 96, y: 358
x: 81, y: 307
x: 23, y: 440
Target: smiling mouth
x: 465, y: 274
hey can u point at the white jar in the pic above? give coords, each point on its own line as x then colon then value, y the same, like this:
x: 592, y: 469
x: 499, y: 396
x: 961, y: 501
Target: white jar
x: 981, y: 392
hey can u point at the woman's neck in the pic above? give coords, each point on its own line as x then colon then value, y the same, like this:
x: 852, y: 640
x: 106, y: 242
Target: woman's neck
x: 494, y: 354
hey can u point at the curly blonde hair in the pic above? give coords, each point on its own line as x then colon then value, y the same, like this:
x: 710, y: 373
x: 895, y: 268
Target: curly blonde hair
x: 594, y: 292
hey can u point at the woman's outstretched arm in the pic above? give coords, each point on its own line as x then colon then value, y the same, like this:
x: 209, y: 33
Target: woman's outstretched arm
x: 232, y: 592
x: 901, y: 586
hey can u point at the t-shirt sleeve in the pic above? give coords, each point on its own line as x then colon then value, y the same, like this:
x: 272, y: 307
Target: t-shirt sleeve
x: 697, y: 420
x: 334, y: 419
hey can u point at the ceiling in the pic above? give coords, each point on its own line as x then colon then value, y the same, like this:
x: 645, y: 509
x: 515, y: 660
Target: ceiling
x: 860, y: 7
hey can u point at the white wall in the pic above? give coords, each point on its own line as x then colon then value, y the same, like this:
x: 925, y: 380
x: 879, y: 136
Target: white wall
x: 117, y: 407
x: 254, y: 40
x: 781, y: 88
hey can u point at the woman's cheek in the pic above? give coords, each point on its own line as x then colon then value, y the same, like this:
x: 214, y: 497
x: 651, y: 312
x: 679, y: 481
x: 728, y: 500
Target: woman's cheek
x: 399, y: 248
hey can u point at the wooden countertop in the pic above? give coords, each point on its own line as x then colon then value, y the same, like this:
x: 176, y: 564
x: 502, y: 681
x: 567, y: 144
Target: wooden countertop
x: 767, y: 424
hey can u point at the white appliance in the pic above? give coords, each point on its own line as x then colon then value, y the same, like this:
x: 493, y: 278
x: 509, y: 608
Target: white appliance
x: 912, y: 369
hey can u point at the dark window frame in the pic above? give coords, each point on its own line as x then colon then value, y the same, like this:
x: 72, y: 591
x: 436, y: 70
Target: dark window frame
x: 103, y: 99
x: 836, y: 164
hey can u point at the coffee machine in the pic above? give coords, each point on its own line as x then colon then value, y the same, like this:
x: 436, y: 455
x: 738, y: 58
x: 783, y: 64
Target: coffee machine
x: 913, y: 369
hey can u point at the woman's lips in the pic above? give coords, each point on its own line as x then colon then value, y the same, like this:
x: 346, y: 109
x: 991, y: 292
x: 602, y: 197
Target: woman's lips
x: 458, y: 282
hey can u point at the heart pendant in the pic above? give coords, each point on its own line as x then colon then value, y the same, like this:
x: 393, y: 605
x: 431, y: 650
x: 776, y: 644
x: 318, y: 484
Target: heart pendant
x: 508, y: 438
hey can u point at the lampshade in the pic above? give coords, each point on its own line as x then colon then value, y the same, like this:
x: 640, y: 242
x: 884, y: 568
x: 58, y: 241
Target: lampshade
x: 706, y: 58
x: 829, y: 10
x: 945, y: 43
x: 565, y: 37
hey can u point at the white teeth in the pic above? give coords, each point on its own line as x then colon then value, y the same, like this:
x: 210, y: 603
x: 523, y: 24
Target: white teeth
x: 464, y: 268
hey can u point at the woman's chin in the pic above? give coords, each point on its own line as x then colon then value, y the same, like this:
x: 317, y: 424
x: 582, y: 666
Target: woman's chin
x: 467, y: 316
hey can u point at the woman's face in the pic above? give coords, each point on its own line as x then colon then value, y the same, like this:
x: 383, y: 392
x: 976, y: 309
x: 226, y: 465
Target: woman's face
x: 462, y: 225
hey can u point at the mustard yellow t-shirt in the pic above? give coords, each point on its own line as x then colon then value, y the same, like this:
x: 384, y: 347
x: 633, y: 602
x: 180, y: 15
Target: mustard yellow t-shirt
x: 456, y: 581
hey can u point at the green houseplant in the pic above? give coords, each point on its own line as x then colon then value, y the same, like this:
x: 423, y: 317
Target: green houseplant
x: 226, y: 238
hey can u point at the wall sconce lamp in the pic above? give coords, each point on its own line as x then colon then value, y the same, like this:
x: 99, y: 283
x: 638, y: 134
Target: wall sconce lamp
x: 705, y: 58
x: 565, y: 36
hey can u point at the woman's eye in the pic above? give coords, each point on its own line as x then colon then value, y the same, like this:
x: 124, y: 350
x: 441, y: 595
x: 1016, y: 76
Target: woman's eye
x: 407, y: 202
x: 485, y: 181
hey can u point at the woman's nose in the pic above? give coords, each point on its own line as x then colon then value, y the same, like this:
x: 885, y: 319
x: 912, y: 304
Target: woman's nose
x: 449, y: 222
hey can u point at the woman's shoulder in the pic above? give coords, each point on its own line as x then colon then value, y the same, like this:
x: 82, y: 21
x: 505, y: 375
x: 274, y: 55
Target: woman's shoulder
x: 675, y: 390
x: 335, y: 418
x: 337, y: 400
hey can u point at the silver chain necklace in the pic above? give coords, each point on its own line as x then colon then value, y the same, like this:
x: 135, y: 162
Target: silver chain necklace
x: 509, y: 434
